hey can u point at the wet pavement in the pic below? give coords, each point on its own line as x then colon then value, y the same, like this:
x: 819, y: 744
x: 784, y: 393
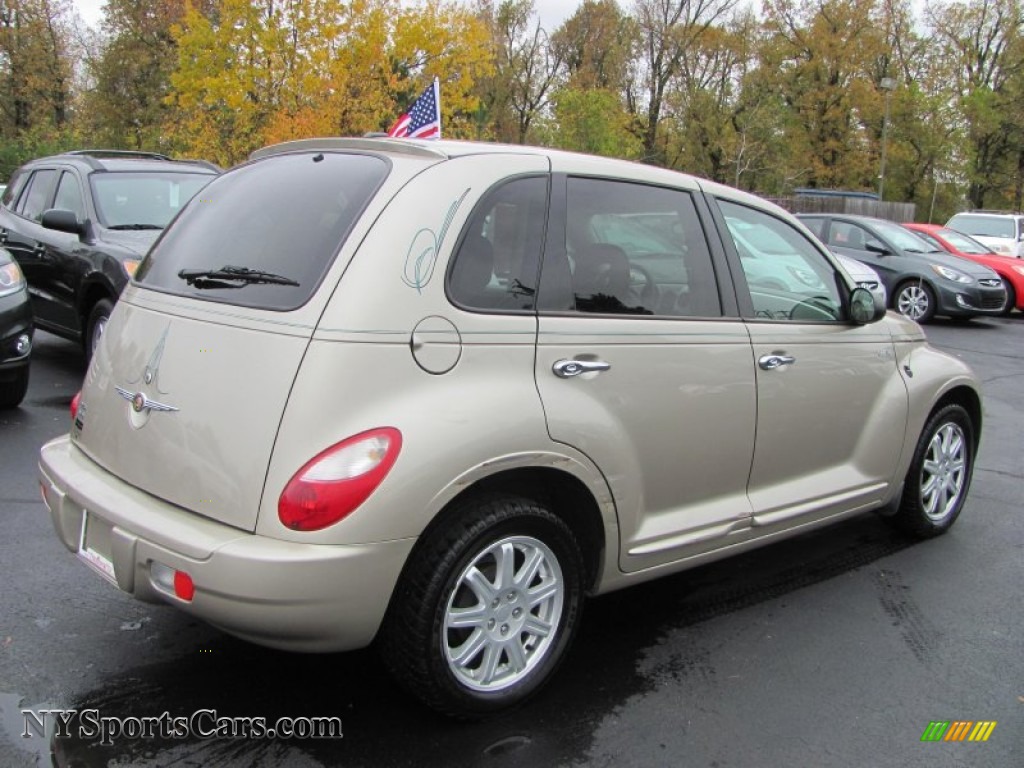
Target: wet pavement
x: 833, y: 649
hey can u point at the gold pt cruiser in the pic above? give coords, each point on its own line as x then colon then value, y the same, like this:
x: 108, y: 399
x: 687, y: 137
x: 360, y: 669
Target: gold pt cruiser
x: 430, y: 395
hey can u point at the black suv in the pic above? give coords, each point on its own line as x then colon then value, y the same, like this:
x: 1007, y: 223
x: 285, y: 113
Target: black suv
x: 80, y: 222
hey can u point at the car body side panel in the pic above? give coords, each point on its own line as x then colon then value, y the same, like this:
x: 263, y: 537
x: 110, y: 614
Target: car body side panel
x: 830, y: 424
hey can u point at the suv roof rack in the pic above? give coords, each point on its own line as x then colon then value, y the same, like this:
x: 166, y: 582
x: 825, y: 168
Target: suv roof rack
x: 118, y: 153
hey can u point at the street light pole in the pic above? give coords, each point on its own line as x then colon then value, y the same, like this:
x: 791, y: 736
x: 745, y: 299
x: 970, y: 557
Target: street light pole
x: 887, y: 84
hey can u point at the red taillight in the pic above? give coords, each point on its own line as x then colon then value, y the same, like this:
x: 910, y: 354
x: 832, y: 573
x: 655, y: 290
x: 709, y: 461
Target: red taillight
x: 184, y: 586
x: 74, y: 404
x: 335, y: 482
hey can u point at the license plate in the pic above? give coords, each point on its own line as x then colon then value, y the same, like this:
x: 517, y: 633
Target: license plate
x: 94, y: 546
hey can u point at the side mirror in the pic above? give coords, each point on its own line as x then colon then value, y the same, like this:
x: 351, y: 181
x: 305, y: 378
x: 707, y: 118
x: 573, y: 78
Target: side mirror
x: 865, y: 307
x: 62, y: 221
x: 875, y: 247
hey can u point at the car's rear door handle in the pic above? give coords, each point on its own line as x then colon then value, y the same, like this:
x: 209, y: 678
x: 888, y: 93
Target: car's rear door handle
x: 771, y: 362
x: 566, y: 369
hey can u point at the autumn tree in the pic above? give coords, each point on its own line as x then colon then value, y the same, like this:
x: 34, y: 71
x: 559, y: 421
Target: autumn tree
x: 981, y: 40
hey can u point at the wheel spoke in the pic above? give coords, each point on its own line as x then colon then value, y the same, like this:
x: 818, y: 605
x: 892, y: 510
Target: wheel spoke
x: 465, y: 653
x: 543, y: 592
x: 529, y: 569
x: 516, y: 655
x: 465, y: 618
x: 536, y: 626
x: 505, y: 576
x: 489, y: 667
x: 478, y: 583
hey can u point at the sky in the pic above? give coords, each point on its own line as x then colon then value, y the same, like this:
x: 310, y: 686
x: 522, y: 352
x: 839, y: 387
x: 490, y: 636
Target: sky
x: 552, y: 12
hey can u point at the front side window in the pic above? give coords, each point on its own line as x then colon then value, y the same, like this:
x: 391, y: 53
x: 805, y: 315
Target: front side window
x: 843, y: 234
x: 38, y: 195
x: 787, y: 277
x: 143, y: 200
x: 495, y: 264
x: 634, y: 249
x: 264, y: 234
x: 69, y: 196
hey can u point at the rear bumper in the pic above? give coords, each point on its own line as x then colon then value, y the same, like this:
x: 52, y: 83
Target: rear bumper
x: 294, y: 596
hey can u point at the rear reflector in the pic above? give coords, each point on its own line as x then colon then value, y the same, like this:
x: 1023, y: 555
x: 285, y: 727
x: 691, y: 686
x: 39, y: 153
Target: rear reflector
x: 183, y: 586
x: 335, y: 482
x: 74, y: 404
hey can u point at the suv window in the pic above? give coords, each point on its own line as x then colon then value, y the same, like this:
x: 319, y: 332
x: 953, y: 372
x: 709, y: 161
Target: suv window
x: 38, y: 195
x: 495, y: 266
x: 69, y: 195
x: 787, y: 277
x: 635, y: 249
x: 287, y: 215
x: 144, y: 200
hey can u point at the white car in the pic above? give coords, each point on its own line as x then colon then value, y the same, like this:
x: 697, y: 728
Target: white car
x: 1001, y: 231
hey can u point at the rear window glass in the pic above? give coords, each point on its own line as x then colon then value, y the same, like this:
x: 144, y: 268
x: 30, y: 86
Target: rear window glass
x: 263, y: 235
x: 986, y: 226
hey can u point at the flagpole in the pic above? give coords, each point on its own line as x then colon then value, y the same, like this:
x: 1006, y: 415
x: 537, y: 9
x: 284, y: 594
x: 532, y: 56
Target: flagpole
x: 437, y: 99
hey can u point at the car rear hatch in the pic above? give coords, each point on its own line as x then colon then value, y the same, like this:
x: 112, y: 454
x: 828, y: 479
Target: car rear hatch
x: 185, y: 394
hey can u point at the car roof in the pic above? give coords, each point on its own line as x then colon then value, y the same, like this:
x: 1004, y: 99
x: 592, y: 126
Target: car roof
x: 447, y: 149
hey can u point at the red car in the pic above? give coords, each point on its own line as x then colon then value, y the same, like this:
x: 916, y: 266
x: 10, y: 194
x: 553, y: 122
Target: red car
x: 959, y: 244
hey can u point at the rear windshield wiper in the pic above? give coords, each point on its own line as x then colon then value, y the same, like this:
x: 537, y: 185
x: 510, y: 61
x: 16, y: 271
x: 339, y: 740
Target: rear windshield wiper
x: 136, y: 226
x: 231, y: 277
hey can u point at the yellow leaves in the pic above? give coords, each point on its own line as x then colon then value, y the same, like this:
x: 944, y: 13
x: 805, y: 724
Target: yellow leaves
x: 294, y: 68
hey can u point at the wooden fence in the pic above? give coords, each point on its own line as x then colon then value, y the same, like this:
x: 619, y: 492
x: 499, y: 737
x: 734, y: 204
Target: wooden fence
x: 863, y: 207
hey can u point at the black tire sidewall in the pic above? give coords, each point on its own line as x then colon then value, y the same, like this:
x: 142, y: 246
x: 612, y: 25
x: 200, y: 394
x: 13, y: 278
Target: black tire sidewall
x: 483, y: 524
x: 101, y: 309
x: 911, y: 514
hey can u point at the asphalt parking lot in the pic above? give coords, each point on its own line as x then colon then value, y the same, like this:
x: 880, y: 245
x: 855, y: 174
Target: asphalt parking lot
x: 837, y: 648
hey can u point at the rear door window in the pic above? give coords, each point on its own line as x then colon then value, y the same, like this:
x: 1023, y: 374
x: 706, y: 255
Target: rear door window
x: 38, y: 195
x: 283, y: 219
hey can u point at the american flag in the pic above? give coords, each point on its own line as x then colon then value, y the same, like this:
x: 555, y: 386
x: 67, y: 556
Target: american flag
x: 423, y: 120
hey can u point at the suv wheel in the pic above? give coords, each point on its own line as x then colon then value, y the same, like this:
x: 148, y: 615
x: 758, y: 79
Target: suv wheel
x: 940, y: 474
x: 96, y: 325
x: 915, y: 300
x: 13, y: 392
x: 486, y: 608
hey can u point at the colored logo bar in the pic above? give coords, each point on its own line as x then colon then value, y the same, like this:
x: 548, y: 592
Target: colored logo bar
x: 958, y: 730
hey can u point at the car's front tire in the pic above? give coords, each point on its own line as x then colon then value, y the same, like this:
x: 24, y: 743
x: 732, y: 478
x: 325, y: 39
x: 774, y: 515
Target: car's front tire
x: 915, y: 300
x: 1011, y: 298
x: 486, y: 607
x: 12, y: 392
x: 940, y: 474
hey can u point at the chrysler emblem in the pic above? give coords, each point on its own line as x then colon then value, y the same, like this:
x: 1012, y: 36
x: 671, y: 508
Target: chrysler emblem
x: 142, y: 403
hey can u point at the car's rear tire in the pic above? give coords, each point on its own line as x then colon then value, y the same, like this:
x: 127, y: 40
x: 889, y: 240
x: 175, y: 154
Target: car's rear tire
x: 12, y: 392
x: 96, y: 325
x: 916, y: 300
x: 486, y: 607
x: 1011, y: 298
x: 940, y: 474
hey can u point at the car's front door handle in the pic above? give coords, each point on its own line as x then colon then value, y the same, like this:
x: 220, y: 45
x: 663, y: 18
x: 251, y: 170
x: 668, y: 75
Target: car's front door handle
x: 771, y: 362
x: 566, y: 369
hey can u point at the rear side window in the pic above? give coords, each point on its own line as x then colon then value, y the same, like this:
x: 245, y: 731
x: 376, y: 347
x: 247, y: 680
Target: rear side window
x: 263, y: 235
x: 495, y: 267
x: 635, y: 249
x: 38, y: 195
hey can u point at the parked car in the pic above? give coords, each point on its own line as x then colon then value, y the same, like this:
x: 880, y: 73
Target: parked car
x: 921, y: 280
x: 864, y: 276
x: 1011, y: 270
x: 15, y: 333
x: 1002, y: 231
x: 79, y: 223
x: 397, y: 391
